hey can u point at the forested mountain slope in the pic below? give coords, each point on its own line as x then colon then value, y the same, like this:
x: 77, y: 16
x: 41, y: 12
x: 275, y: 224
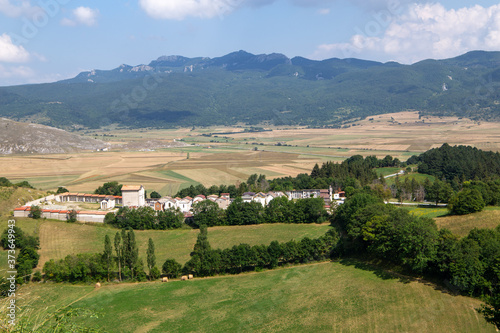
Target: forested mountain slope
x: 242, y: 87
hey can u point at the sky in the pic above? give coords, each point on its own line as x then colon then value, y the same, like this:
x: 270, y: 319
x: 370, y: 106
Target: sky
x: 50, y: 40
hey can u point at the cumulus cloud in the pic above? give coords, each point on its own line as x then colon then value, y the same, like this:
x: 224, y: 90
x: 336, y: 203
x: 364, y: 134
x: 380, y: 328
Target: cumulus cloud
x: 9, y: 52
x: 422, y: 31
x: 82, y: 16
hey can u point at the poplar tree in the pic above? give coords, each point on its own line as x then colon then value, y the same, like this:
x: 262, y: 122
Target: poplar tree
x: 131, y: 251
x: 108, y: 253
x: 151, y: 258
x: 118, y: 249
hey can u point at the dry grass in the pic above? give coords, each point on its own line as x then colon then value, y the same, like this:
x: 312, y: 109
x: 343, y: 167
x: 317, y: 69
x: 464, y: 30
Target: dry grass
x: 461, y: 225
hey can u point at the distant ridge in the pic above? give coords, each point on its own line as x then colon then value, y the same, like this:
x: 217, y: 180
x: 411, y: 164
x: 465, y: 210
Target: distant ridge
x: 241, y: 87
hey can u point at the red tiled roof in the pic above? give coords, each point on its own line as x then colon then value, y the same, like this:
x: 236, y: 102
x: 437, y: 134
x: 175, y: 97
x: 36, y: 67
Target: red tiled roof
x: 131, y: 187
x: 21, y: 208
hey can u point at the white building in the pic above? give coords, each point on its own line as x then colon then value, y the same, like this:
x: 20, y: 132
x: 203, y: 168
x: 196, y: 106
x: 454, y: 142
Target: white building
x: 108, y: 203
x: 133, y: 196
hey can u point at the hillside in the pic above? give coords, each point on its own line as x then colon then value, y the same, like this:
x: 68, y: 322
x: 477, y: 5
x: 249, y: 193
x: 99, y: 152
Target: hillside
x: 346, y: 296
x: 16, y: 137
x: 244, y: 88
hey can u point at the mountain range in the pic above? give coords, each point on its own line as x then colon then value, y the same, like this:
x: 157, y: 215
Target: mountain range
x: 241, y: 87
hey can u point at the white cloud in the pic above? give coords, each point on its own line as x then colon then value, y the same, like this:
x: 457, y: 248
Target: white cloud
x: 423, y: 31
x: 180, y: 9
x: 82, y: 16
x: 21, y: 8
x: 9, y: 52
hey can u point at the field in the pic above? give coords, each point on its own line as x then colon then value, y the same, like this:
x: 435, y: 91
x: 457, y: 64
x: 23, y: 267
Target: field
x: 327, y: 297
x: 58, y: 239
x: 229, y: 158
x: 460, y: 225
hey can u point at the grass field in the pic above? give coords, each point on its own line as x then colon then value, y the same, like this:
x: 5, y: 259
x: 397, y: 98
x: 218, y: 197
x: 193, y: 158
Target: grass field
x: 387, y: 171
x: 58, y: 239
x: 461, y: 225
x: 326, y: 297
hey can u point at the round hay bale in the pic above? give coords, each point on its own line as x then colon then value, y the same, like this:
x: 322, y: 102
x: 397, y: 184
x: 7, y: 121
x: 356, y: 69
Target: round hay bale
x: 164, y: 279
x: 97, y: 285
x: 190, y: 276
x: 184, y: 278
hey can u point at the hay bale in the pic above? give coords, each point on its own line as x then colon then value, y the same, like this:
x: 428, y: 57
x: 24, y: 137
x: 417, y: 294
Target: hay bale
x: 165, y: 279
x: 184, y: 278
x: 190, y: 276
x: 97, y: 285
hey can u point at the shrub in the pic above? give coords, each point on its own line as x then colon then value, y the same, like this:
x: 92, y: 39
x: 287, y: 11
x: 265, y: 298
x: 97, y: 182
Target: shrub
x: 171, y: 268
x: 466, y: 202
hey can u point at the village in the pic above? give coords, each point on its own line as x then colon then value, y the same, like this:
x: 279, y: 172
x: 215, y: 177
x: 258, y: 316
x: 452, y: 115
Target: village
x: 56, y: 207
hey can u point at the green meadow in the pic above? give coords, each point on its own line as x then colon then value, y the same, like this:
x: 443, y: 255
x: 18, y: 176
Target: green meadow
x: 345, y: 296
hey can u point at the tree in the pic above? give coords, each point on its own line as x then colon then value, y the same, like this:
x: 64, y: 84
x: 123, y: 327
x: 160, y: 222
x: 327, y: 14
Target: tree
x: 151, y: 258
x: 130, y: 251
x: 72, y: 216
x: 466, y: 201
x: 207, y: 213
x: 35, y: 212
x: 5, y: 182
x: 21, y: 239
x: 171, y: 268
x: 109, y: 188
x: 155, y: 195
x: 119, y: 253
x: 61, y: 189
x: 108, y: 253
x: 491, y: 309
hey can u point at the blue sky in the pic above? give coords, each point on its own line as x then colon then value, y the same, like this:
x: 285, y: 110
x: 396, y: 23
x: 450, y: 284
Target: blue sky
x: 50, y: 40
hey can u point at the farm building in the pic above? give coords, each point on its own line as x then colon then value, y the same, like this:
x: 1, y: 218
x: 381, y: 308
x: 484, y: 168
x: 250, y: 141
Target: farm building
x: 133, y: 196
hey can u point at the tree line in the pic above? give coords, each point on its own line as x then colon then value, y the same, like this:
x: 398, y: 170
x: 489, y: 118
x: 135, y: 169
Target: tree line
x: 122, y: 254
x: 4, y: 182
x: 27, y: 257
x: 206, y: 261
x: 356, y: 172
x: 142, y: 218
x: 120, y: 261
x: 458, y: 163
x: 208, y: 213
